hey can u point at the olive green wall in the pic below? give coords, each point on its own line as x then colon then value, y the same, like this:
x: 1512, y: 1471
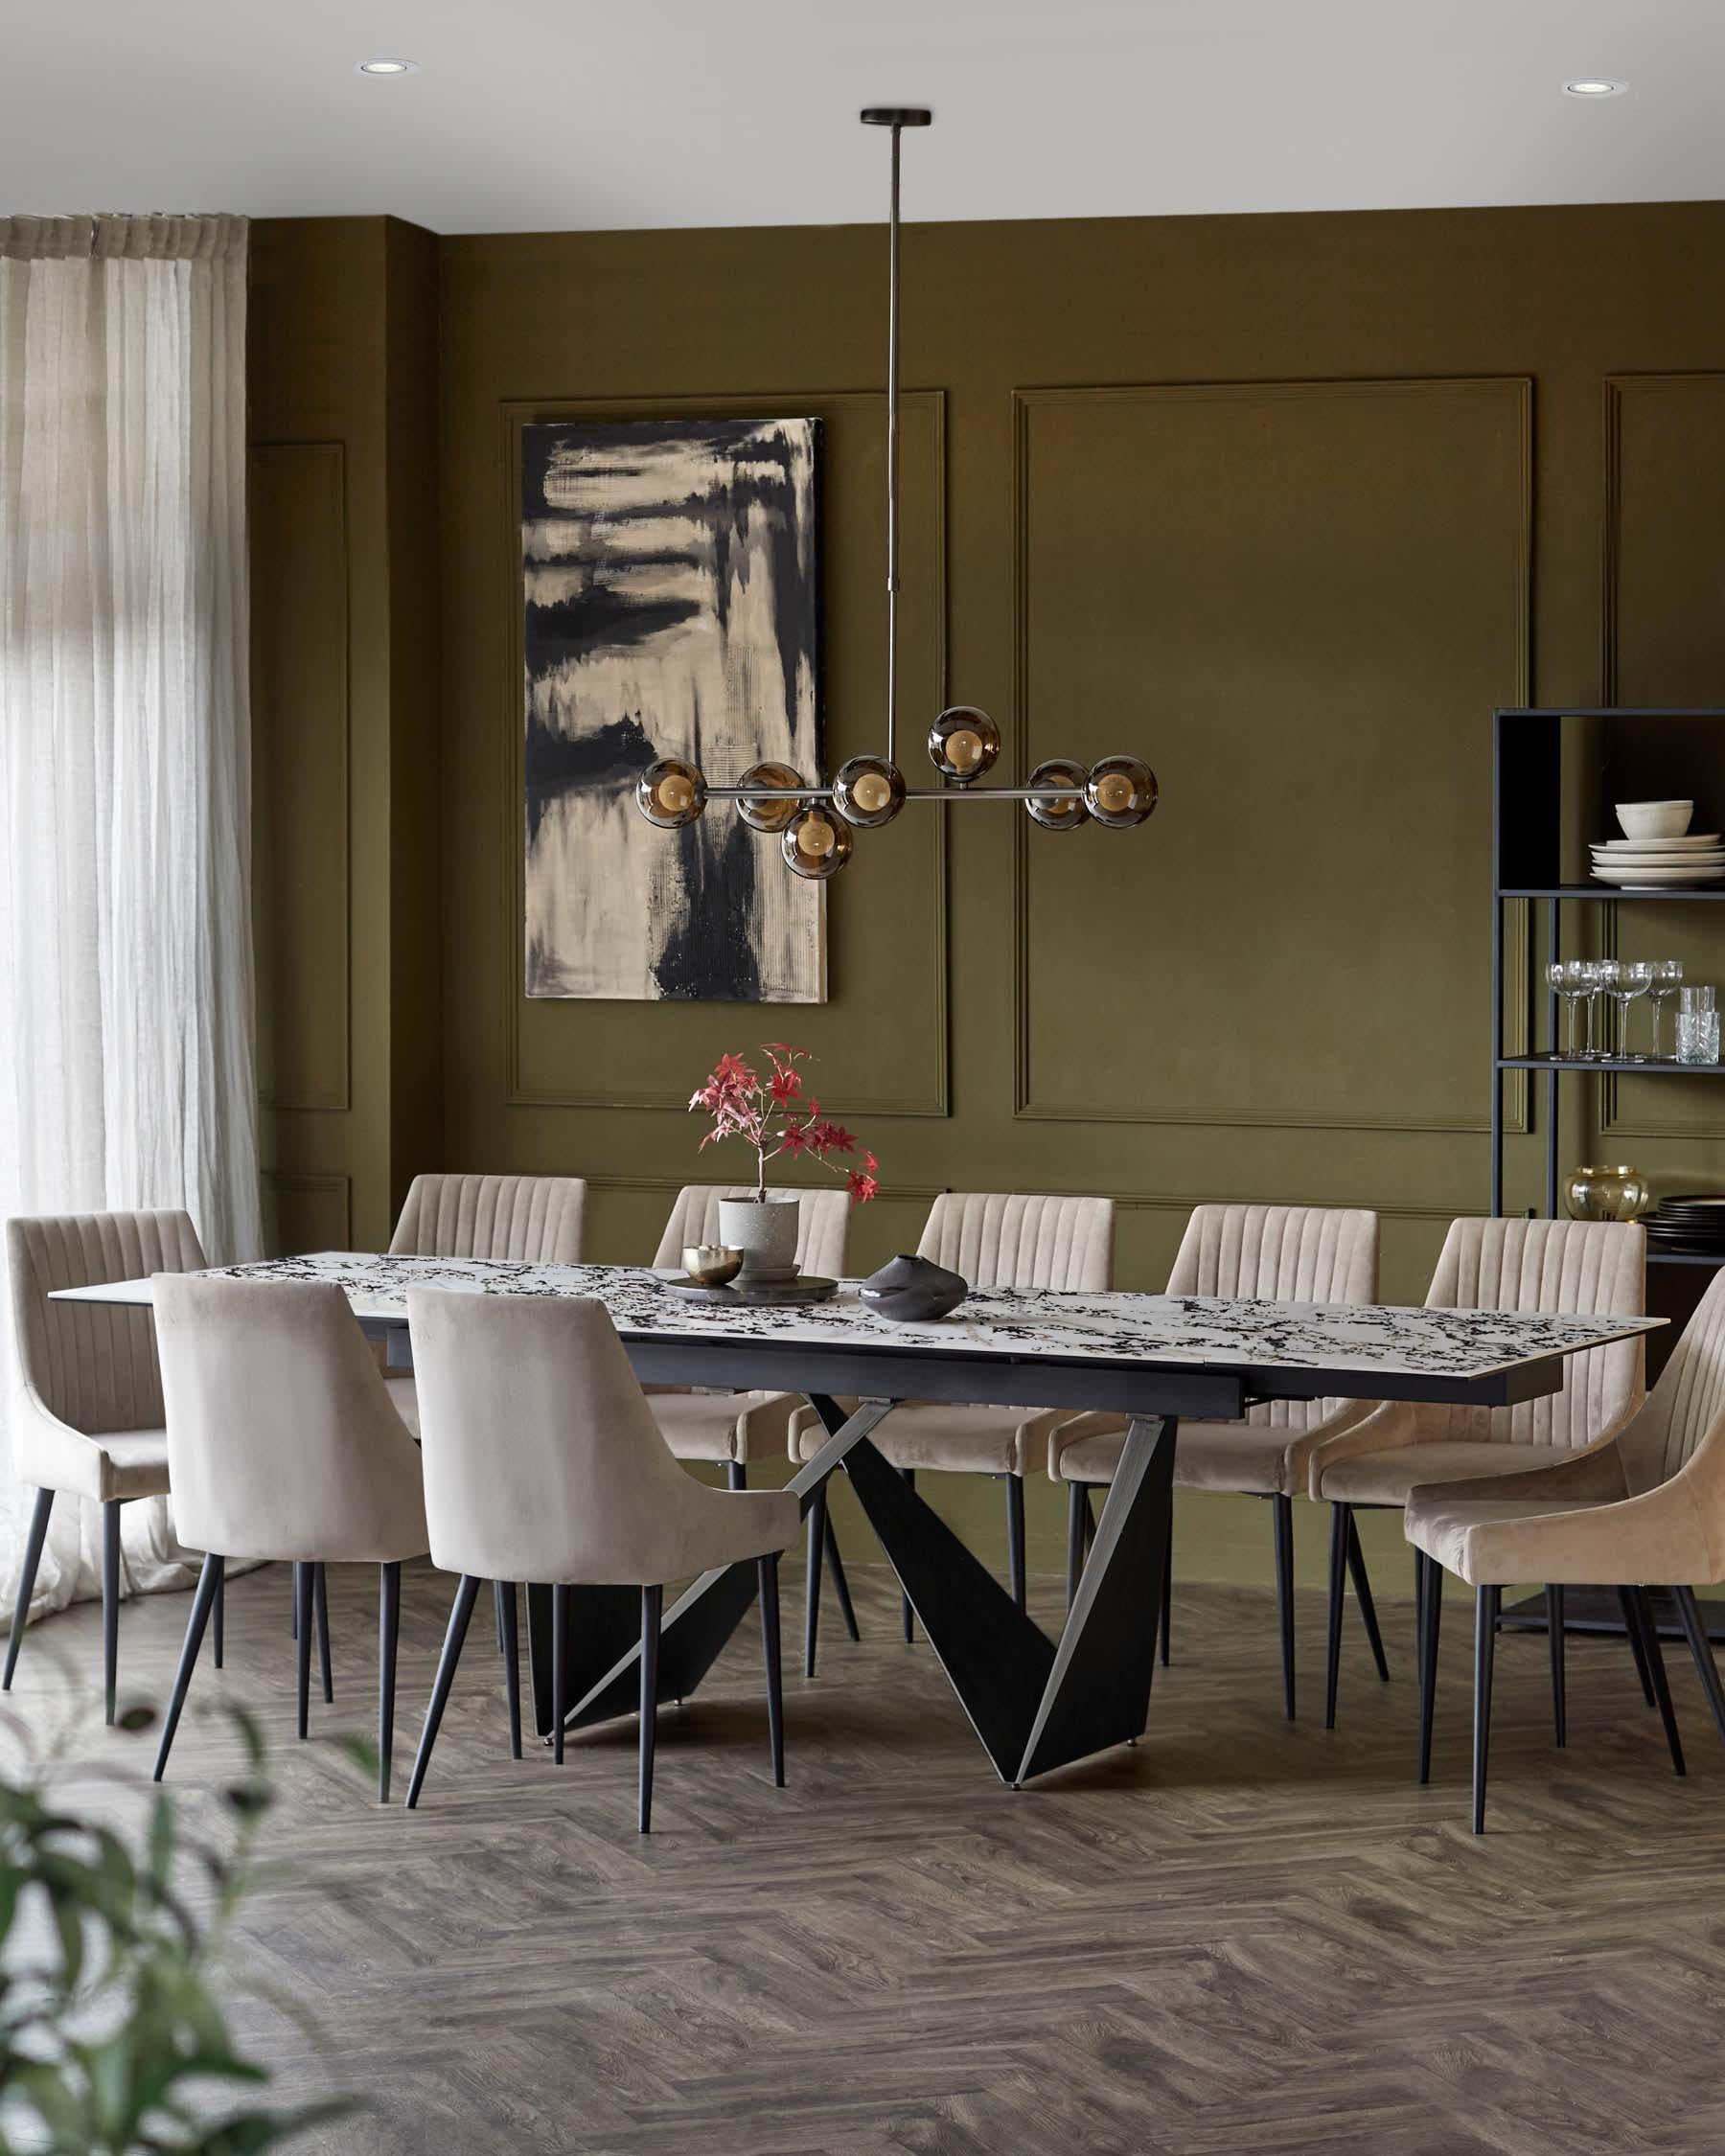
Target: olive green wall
x: 1283, y: 504
x: 344, y: 385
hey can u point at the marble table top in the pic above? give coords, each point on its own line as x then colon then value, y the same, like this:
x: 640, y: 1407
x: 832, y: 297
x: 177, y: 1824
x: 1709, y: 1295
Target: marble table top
x: 1192, y: 1331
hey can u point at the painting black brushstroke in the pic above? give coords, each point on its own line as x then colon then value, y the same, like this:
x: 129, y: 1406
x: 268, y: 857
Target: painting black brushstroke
x: 670, y: 608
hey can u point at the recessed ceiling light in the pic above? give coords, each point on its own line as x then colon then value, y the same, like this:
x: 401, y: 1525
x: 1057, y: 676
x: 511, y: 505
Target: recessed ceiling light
x: 1593, y: 87
x: 389, y: 67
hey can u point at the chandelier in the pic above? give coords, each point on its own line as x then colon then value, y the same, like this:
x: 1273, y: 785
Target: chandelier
x: 814, y: 823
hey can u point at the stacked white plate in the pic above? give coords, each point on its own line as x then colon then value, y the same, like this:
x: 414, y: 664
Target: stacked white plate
x: 1649, y: 864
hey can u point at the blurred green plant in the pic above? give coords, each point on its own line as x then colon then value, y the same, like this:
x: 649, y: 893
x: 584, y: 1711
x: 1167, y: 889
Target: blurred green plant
x: 113, y: 2041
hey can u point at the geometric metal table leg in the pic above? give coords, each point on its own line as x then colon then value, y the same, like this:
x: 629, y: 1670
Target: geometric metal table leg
x: 1035, y: 1704
x: 995, y: 1657
x: 692, y: 1634
x: 1098, y: 1690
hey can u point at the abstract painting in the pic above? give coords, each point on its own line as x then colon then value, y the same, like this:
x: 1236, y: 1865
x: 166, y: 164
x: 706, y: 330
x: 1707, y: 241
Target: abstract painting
x: 672, y: 608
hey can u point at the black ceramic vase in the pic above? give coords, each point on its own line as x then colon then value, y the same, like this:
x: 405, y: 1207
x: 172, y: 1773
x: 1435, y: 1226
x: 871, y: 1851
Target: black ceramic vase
x: 913, y: 1290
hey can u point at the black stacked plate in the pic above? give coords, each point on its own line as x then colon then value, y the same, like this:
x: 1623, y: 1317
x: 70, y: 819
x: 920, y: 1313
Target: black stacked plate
x: 1689, y: 1226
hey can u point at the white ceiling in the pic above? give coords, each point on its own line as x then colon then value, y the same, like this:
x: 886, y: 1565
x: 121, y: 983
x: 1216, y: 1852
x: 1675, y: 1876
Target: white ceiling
x: 565, y: 114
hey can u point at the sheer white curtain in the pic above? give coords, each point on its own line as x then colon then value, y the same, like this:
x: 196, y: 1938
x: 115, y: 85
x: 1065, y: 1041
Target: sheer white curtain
x: 126, y: 972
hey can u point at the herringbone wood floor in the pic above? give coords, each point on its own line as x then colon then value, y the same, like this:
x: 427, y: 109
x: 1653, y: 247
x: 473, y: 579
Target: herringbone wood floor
x: 1240, y: 1936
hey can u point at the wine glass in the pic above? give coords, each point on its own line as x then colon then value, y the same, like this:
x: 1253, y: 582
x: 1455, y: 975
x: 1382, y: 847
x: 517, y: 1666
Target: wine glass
x: 1667, y: 978
x: 1627, y: 980
x: 1567, y: 978
x: 1592, y: 973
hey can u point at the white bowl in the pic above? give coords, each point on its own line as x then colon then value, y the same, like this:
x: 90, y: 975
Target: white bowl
x: 1654, y: 819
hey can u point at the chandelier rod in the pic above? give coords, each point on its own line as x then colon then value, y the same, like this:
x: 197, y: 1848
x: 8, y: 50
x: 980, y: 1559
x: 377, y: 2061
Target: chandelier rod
x: 892, y: 455
x: 911, y: 793
x: 896, y: 118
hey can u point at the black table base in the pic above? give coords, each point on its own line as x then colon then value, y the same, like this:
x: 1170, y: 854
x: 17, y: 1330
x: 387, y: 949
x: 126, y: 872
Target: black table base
x: 1035, y: 1702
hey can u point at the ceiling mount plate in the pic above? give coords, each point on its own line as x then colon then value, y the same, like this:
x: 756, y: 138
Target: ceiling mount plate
x: 895, y: 116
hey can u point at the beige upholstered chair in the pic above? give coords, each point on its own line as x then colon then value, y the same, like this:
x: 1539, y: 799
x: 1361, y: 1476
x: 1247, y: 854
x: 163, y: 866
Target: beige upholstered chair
x: 738, y: 1428
x: 284, y: 1446
x: 1293, y: 1253
x: 1526, y: 1265
x: 994, y: 1239
x: 90, y: 1420
x: 583, y: 1493
x: 536, y: 1219
x: 1646, y: 1508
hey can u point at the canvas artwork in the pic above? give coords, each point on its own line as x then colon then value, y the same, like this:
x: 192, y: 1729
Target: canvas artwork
x: 671, y: 598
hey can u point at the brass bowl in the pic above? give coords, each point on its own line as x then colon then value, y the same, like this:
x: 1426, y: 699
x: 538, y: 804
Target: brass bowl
x: 1607, y: 1194
x: 711, y: 1264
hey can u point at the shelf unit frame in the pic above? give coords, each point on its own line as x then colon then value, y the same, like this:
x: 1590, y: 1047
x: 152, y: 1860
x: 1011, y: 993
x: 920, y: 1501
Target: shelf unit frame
x: 1526, y: 864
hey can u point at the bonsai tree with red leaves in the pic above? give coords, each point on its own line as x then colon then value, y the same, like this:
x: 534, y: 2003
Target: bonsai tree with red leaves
x: 775, y: 1116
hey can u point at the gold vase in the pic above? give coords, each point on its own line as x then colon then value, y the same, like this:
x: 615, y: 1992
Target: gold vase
x: 1607, y: 1194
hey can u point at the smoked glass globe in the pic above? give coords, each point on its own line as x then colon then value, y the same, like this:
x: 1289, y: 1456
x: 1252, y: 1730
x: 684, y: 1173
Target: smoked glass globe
x: 670, y: 793
x: 817, y: 845
x: 963, y: 742
x: 772, y: 817
x: 1120, y: 791
x: 868, y: 791
x: 1060, y: 815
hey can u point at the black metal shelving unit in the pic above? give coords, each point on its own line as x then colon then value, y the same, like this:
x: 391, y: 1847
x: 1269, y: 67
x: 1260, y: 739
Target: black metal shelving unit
x: 1527, y: 862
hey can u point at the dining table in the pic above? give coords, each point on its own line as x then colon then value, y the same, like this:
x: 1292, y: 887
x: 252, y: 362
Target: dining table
x: 1037, y: 1700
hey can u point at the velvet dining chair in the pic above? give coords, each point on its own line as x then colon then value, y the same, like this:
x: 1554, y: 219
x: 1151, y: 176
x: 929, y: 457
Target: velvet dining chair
x: 1644, y: 1508
x: 1590, y: 1267
x: 90, y: 1426
x: 583, y: 1493
x: 1294, y: 1254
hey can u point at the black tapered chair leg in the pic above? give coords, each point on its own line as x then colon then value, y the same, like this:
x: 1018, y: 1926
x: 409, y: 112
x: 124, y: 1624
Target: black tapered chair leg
x: 209, y: 1584
x: 1166, y: 1618
x: 1076, y: 1495
x: 218, y: 1619
x: 110, y: 1604
x: 840, y: 1585
x: 1341, y: 1528
x: 910, y: 1615
x: 1419, y: 1583
x: 302, y: 1642
x: 1554, y: 1603
x: 1431, y: 1611
x: 320, y: 1588
x: 389, y: 1633
x: 33, y: 1557
x: 767, y: 1570
x: 1015, y: 1537
x: 512, y: 1661
x: 653, y: 1603
x: 1283, y: 1511
x: 736, y: 1475
x: 1487, y: 1602
x: 816, y: 1525
x: 1362, y: 1585
x: 1632, y: 1633
x: 1656, y: 1669
x: 560, y: 1669
x: 461, y: 1610
x: 497, y: 1610
x: 1700, y: 1647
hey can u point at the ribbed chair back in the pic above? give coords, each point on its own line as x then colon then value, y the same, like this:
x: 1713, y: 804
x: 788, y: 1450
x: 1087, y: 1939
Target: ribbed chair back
x: 535, y: 1217
x: 822, y: 1226
x: 91, y: 1365
x: 997, y: 1239
x: 1684, y: 1407
x: 1588, y: 1267
x: 1286, y: 1253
